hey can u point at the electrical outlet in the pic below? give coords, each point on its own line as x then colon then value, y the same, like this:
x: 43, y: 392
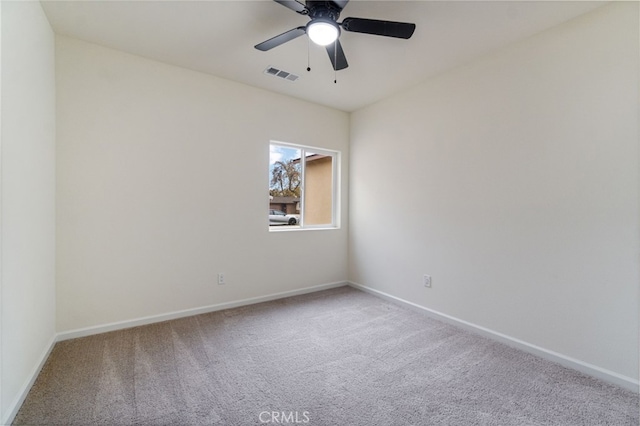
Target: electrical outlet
x: 426, y: 279
x: 221, y: 279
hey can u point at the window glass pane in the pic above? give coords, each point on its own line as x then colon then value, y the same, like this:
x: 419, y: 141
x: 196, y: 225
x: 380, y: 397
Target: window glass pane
x: 302, y: 187
x: 318, y: 189
x: 285, y: 185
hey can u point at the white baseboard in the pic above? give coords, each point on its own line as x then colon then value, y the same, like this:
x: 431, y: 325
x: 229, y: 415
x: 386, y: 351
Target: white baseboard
x: 566, y: 361
x: 88, y: 331
x: 15, y: 405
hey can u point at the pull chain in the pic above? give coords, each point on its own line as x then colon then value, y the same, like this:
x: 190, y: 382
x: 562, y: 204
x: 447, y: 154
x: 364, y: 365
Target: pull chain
x: 335, y: 61
x: 308, y: 54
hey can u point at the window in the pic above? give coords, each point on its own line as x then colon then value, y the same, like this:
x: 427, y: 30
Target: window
x: 303, y: 184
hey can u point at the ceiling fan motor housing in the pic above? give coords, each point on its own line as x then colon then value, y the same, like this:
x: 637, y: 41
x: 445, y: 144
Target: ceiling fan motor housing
x: 323, y: 9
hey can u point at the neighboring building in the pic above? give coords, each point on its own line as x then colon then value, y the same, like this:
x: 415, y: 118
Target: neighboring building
x: 318, y: 190
x: 289, y: 205
x: 318, y: 187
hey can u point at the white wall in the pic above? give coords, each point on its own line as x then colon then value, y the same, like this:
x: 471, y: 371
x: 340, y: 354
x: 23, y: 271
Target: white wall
x: 162, y: 183
x: 28, y: 197
x: 513, y: 181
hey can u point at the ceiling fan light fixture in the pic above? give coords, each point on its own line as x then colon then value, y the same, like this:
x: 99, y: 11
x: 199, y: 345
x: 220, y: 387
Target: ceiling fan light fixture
x: 323, y: 32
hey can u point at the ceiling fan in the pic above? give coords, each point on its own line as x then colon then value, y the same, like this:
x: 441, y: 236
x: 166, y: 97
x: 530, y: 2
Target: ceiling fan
x: 324, y: 28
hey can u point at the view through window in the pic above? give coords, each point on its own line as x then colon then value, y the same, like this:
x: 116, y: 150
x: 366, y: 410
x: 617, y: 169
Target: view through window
x: 302, y: 187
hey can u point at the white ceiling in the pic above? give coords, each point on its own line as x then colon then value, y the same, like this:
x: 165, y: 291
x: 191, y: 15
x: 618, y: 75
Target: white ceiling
x: 217, y: 37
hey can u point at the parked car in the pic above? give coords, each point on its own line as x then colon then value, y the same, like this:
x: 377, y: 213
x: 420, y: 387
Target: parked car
x: 277, y: 217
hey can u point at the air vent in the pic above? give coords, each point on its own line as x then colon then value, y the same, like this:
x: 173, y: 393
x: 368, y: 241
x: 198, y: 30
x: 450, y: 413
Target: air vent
x: 281, y: 74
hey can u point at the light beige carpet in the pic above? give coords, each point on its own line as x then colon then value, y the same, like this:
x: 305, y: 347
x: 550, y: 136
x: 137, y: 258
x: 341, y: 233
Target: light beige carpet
x: 337, y: 357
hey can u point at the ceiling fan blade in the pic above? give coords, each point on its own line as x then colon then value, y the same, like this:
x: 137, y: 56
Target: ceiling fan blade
x: 338, y: 60
x: 294, y: 5
x: 381, y: 28
x: 280, y: 39
x: 341, y: 3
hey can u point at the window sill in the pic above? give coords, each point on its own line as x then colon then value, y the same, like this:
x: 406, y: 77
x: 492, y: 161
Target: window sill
x: 296, y: 228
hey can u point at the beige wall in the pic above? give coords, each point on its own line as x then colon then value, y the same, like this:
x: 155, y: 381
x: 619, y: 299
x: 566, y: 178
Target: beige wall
x: 27, y: 198
x: 161, y: 186
x: 318, y: 193
x: 521, y: 174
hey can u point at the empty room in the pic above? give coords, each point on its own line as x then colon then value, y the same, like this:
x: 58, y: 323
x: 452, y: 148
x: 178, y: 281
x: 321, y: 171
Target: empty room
x: 453, y: 199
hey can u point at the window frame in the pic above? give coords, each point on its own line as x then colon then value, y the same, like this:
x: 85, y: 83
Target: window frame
x: 335, y: 190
